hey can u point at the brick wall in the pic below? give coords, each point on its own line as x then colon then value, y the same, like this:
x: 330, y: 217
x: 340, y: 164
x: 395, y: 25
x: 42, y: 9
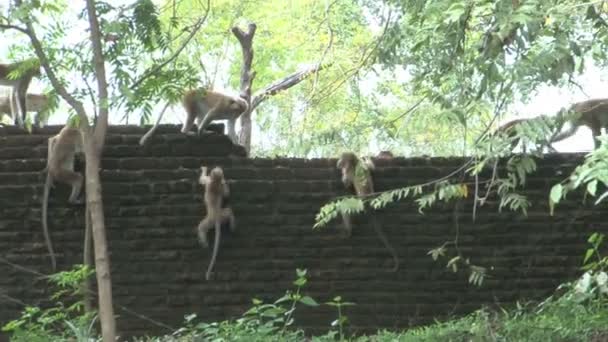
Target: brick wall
x: 153, y: 203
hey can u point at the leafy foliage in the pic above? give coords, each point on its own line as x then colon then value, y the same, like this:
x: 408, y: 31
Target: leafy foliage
x: 593, y: 172
x: 57, y: 322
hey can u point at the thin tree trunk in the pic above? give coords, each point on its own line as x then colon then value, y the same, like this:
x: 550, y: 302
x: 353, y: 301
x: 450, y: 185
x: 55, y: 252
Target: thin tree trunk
x: 102, y: 261
x: 88, y: 261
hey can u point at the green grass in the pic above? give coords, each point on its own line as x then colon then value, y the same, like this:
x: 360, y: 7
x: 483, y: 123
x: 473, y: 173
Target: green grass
x: 578, y: 313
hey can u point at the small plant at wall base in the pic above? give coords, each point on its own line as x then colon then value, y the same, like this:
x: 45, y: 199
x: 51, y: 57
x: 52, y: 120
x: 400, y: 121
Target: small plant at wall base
x: 59, y: 321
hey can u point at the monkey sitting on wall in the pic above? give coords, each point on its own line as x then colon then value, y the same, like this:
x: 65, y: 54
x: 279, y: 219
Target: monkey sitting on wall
x: 356, y: 173
x: 62, y: 149
x: 204, y: 106
x: 216, y: 191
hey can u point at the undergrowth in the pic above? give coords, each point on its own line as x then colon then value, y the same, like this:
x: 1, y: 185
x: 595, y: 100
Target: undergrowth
x: 576, y: 312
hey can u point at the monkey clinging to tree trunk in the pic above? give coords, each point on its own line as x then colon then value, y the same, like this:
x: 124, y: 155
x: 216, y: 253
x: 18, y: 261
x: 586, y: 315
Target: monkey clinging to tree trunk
x: 356, y: 173
x: 62, y: 148
x: 205, y: 106
x: 216, y: 190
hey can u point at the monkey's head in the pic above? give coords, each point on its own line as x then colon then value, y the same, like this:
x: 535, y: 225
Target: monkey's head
x: 347, y: 160
x: 238, y: 105
x: 385, y: 155
x: 216, y: 175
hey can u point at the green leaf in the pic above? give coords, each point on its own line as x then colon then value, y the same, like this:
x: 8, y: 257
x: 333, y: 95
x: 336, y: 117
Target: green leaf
x: 306, y: 300
x: 588, y: 255
x: 592, y: 187
x: 556, y: 193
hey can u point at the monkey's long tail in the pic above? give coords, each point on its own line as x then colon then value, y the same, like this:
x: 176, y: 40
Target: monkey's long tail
x: 149, y: 134
x: 45, y: 225
x: 216, y: 246
x: 384, y: 240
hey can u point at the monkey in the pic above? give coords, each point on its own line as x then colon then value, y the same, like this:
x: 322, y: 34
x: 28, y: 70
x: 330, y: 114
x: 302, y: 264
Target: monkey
x: 591, y: 113
x: 216, y: 191
x: 34, y: 103
x: 385, y: 155
x: 205, y: 106
x: 356, y: 173
x: 18, y: 87
x: 62, y: 149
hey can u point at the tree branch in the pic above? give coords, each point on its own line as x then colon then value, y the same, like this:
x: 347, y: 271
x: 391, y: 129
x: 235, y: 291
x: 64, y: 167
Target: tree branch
x: 50, y: 73
x: 286, y: 83
x: 155, y: 70
x: 101, y: 125
x: 12, y: 27
x: 247, y: 77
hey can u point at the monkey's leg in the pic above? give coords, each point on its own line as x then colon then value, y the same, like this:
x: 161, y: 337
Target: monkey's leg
x: 203, y: 228
x: 14, y: 105
x: 21, y: 93
x: 75, y: 179
x: 596, y: 132
x: 228, y: 215
x: 207, y: 119
x: 232, y: 130
x: 563, y: 135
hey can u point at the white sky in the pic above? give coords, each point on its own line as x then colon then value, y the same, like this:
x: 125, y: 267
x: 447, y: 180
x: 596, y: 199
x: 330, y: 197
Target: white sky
x: 547, y: 100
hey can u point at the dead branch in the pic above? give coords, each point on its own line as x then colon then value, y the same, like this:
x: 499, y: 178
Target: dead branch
x: 247, y: 76
x: 285, y: 83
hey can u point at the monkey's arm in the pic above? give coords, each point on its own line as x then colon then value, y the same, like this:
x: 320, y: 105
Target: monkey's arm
x: 563, y: 135
x: 225, y: 189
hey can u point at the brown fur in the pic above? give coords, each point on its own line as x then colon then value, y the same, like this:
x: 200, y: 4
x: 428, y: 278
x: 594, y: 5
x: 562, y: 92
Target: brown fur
x: 385, y: 155
x: 205, y: 106
x: 347, y: 163
x: 18, y: 90
x: 34, y: 103
x: 62, y: 149
x: 216, y: 190
x: 591, y: 113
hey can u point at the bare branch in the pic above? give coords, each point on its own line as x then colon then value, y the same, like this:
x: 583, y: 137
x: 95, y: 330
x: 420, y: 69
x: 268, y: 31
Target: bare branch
x: 13, y: 27
x: 286, y: 83
x: 196, y: 27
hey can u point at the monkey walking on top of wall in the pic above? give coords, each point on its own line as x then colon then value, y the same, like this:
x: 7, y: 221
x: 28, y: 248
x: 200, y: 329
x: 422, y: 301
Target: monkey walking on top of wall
x: 204, y: 106
x: 18, y: 88
x: 38, y: 103
x: 356, y: 173
x: 62, y: 149
x: 591, y: 113
x: 216, y: 191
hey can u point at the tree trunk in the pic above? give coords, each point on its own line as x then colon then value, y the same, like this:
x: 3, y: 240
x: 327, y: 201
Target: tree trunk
x: 88, y: 261
x: 247, y: 76
x: 102, y: 261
